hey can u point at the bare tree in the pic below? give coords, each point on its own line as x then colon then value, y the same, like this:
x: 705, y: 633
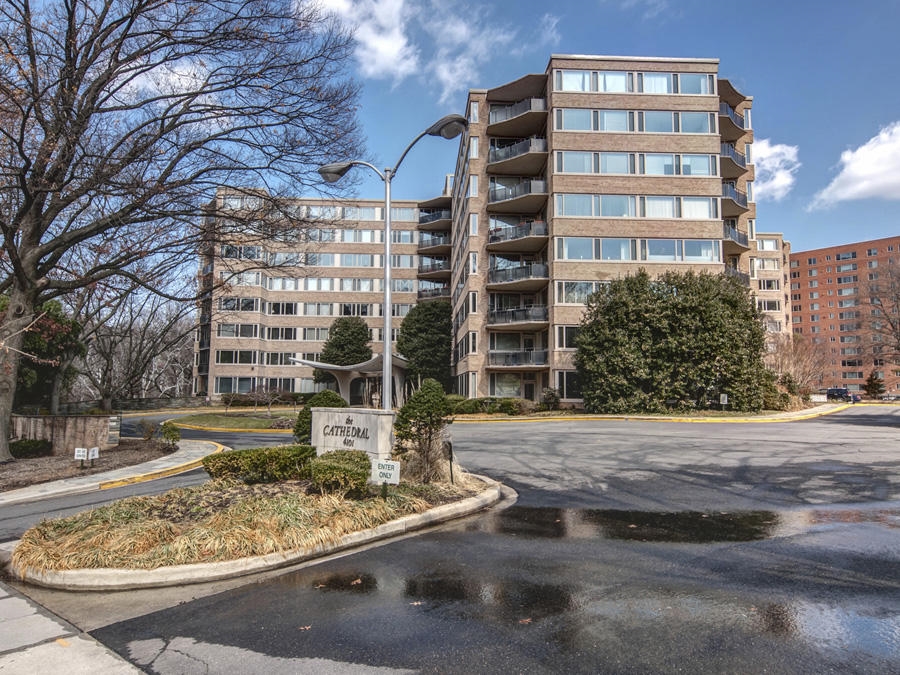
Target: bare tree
x: 128, y: 351
x: 119, y: 119
x: 884, y: 313
x: 799, y: 357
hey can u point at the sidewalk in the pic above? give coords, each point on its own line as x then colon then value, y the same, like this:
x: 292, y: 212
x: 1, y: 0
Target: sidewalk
x: 32, y: 640
x: 187, y: 457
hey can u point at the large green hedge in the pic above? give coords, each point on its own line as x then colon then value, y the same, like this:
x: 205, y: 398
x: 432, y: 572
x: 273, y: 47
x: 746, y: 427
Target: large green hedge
x: 262, y: 465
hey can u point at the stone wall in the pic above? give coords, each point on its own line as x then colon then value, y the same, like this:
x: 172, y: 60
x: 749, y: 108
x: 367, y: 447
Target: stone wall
x: 69, y: 432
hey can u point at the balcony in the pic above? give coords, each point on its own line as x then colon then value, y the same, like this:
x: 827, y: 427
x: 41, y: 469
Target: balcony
x: 732, y: 234
x: 734, y: 202
x: 434, y: 269
x: 529, y: 236
x: 533, y: 317
x: 525, y: 196
x: 434, y: 244
x: 528, y: 357
x: 732, y: 163
x: 434, y: 219
x: 743, y: 277
x: 731, y: 122
x: 524, y: 118
x: 442, y: 293
x: 528, y: 277
x: 527, y: 158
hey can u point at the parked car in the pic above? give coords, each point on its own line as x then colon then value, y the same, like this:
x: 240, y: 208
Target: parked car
x: 856, y: 398
x: 838, y: 394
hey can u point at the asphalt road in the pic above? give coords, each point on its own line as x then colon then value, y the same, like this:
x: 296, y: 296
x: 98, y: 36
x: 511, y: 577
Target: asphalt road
x: 634, y: 547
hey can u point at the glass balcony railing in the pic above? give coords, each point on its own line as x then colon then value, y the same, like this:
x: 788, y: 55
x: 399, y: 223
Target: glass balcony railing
x: 732, y: 233
x: 743, y: 277
x: 508, y: 112
x: 431, y: 293
x: 434, y: 266
x: 731, y: 192
x: 426, y: 217
x: 732, y: 114
x: 528, y: 357
x: 507, y: 274
x: 501, y: 193
x: 529, y: 228
x: 516, y: 149
x: 429, y: 240
x: 737, y: 157
x: 519, y: 314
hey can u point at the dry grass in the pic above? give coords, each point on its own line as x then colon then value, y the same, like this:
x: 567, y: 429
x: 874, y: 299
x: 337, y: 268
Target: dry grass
x: 213, y: 522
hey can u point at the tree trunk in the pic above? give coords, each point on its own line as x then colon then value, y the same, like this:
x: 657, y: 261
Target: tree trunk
x: 19, y: 314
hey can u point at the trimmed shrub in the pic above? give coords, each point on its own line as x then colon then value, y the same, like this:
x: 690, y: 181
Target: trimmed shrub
x: 420, y: 429
x: 469, y: 406
x: 550, y: 399
x: 341, y: 472
x: 324, y: 399
x: 30, y: 448
x: 262, y: 465
x: 170, y: 435
x: 147, y: 429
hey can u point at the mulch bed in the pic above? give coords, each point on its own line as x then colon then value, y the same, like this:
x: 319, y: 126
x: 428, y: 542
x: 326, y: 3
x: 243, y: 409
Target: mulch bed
x: 25, y: 472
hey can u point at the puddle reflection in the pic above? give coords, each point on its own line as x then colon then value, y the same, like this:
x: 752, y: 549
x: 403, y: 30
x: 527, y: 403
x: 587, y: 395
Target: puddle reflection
x: 685, y: 527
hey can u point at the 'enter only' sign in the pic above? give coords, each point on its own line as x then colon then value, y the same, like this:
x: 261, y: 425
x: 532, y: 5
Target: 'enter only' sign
x: 385, y: 471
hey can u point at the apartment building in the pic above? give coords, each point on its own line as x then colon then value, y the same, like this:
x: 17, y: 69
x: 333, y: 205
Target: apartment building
x: 276, y: 293
x: 589, y: 171
x: 831, y: 292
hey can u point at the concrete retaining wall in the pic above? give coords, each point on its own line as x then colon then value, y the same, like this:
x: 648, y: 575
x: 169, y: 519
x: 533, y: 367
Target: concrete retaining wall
x: 69, y: 432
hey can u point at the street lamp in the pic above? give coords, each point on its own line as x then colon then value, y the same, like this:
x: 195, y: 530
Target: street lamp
x: 449, y: 126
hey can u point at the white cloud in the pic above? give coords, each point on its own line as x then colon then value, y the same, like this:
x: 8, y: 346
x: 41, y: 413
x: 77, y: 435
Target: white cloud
x: 872, y: 171
x: 381, y: 28
x: 446, y: 44
x: 776, y: 165
x: 651, y: 8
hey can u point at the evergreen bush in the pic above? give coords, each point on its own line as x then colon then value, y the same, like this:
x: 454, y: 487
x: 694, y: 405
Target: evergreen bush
x: 324, y: 399
x: 262, y: 465
x: 341, y: 472
x: 30, y: 448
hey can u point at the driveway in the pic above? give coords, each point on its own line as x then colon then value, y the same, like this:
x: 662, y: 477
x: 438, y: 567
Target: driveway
x: 634, y: 547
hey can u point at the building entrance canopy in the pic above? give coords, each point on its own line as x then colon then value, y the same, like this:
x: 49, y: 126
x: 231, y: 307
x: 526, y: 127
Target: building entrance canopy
x: 346, y: 375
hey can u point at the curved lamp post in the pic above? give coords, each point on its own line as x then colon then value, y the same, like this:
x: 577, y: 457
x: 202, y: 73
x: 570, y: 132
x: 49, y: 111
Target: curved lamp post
x: 449, y: 126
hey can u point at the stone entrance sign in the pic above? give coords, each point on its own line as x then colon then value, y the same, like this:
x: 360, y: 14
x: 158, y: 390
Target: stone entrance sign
x: 371, y: 431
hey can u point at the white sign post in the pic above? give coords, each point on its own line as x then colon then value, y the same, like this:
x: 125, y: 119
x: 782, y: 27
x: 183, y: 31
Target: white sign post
x: 93, y: 453
x: 81, y: 453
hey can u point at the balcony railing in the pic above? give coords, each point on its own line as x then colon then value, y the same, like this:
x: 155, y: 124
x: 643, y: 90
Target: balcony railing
x: 426, y: 217
x: 737, y: 157
x: 528, y: 228
x: 526, y: 187
x: 434, y: 266
x: 736, y: 117
x: 516, y: 109
x: 429, y: 240
x: 732, y: 233
x: 743, y: 277
x: 734, y: 194
x: 529, y: 357
x: 519, y: 314
x: 431, y: 293
x: 516, y: 149
x: 530, y: 271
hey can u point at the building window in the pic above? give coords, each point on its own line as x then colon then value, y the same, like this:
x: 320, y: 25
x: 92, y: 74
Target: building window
x: 849, y: 255
x: 566, y: 336
x: 473, y: 147
x: 568, y: 384
x: 473, y: 112
x: 237, y: 330
x: 473, y: 224
x: 767, y: 244
x: 473, y: 186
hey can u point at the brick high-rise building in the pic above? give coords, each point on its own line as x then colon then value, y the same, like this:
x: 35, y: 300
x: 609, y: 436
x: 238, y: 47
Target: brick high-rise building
x: 831, y: 305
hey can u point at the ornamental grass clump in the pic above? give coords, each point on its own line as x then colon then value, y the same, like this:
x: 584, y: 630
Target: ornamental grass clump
x: 217, y: 521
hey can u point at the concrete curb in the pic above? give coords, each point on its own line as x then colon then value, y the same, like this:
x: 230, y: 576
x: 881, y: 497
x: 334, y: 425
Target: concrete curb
x: 160, y: 473
x: 788, y: 417
x: 174, y: 422
x: 118, y: 579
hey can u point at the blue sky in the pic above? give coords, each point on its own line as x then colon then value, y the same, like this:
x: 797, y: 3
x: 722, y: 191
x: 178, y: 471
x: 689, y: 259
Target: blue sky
x: 824, y: 76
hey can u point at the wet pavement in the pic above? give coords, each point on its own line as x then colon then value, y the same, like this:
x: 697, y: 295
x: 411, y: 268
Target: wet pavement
x: 632, y: 548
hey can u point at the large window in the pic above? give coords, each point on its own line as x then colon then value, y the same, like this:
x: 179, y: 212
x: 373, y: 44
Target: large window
x: 568, y: 384
x: 630, y: 206
x: 575, y: 292
x: 575, y: 248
